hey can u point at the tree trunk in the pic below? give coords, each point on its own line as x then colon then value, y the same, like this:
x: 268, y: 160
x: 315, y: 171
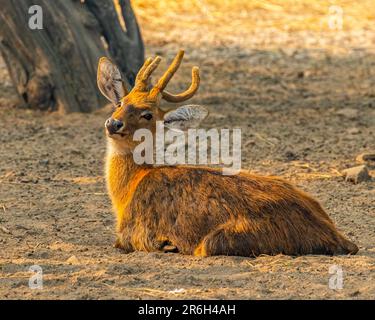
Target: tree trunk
x: 55, y: 67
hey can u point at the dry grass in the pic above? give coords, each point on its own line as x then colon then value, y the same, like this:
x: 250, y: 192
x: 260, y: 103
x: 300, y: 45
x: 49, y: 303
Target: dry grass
x: 248, y: 16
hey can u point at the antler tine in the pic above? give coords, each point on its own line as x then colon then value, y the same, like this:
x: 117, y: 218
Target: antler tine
x: 145, y: 72
x: 163, y: 81
x: 195, y: 79
x: 143, y: 68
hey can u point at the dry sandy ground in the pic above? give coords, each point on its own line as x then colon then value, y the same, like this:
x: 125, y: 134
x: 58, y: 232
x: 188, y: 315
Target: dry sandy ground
x: 304, y: 96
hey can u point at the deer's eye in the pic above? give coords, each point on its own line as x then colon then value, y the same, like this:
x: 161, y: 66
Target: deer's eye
x: 147, y: 116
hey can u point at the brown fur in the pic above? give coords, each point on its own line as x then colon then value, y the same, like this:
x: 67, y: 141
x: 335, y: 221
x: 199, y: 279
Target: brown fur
x: 200, y: 211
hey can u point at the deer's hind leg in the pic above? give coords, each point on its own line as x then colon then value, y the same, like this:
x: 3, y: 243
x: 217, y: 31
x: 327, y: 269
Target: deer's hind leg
x: 232, y: 238
x: 238, y: 237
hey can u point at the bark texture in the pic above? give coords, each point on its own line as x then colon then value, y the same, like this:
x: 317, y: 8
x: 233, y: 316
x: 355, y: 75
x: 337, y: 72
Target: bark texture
x: 55, y: 67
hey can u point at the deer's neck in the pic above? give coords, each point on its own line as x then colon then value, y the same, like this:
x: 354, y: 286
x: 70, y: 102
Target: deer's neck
x: 123, y: 176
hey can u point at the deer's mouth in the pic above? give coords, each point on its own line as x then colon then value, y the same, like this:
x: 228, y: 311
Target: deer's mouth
x: 116, y: 135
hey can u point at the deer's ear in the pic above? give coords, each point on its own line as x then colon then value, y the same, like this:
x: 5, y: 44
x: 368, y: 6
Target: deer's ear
x: 110, y: 82
x: 185, y: 117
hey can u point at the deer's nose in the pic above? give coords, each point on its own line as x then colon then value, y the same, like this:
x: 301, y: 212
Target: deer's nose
x: 113, y: 125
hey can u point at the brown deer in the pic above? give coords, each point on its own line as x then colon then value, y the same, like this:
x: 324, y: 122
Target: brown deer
x: 197, y: 210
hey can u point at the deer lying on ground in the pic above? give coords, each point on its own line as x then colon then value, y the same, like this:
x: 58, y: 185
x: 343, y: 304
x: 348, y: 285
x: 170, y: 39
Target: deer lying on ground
x: 197, y: 210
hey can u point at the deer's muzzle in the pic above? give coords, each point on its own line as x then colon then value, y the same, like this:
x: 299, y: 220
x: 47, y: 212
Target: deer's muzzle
x: 113, y: 125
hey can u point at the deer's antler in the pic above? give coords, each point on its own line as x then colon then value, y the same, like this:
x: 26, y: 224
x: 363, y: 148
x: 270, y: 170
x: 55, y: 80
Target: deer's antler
x: 167, y: 76
x: 142, y: 79
x: 195, y: 79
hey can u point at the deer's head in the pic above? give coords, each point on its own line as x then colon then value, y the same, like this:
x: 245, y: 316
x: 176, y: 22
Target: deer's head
x: 140, y: 108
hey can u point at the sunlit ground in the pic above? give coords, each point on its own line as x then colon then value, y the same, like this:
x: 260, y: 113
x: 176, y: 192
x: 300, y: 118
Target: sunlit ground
x: 251, y: 22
